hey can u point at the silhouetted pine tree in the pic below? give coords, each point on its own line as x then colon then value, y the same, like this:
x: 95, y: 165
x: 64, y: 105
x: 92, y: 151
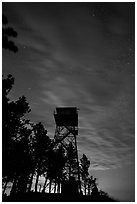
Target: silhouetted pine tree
x: 56, y: 166
x: 71, y: 164
x: 84, y: 166
x: 41, y: 147
x: 13, y: 122
x: 8, y: 32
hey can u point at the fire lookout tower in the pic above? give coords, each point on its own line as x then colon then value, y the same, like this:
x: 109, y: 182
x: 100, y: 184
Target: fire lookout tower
x: 66, y: 119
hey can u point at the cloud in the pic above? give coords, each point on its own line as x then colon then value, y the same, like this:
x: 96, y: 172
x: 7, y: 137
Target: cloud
x: 108, y: 142
x: 76, y: 63
x: 105, y: 134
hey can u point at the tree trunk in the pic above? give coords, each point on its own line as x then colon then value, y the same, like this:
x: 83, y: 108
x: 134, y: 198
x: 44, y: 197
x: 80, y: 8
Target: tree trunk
x: 37, y: 180
x: 69, y: 172
x: 45, y: 185
x: 40, y: 187
x: 13, y: 189
x: 88, y: 189
x: 85, y: 188
x: 50, y: 185
x: 55, y: 187
x: 58, y: 189
x: 31, y: 180
x: 5, y: 186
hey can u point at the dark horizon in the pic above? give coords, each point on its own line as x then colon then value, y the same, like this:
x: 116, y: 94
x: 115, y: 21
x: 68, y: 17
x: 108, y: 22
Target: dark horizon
x: 81, y: 55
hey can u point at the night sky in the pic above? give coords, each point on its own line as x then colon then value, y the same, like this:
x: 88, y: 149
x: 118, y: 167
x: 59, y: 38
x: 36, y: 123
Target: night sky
x: 81, y: 54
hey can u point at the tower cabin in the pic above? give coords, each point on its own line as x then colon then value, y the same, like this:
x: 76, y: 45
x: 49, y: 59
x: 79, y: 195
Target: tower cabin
x: 66, y: 116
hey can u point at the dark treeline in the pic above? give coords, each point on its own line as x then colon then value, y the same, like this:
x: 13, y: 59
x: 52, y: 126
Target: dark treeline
x: 28, y: 154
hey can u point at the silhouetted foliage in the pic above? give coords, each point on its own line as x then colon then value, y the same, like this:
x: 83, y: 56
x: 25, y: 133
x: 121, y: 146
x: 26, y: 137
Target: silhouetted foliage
x: 41, y: 144
x: 8, y: 32
x: 84, y: 166
x: 13, y: 125
x: 56, y: 167
x: 71, y: 164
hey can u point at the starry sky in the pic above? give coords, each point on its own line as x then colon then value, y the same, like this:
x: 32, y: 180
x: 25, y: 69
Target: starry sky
x: 81, y: 54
